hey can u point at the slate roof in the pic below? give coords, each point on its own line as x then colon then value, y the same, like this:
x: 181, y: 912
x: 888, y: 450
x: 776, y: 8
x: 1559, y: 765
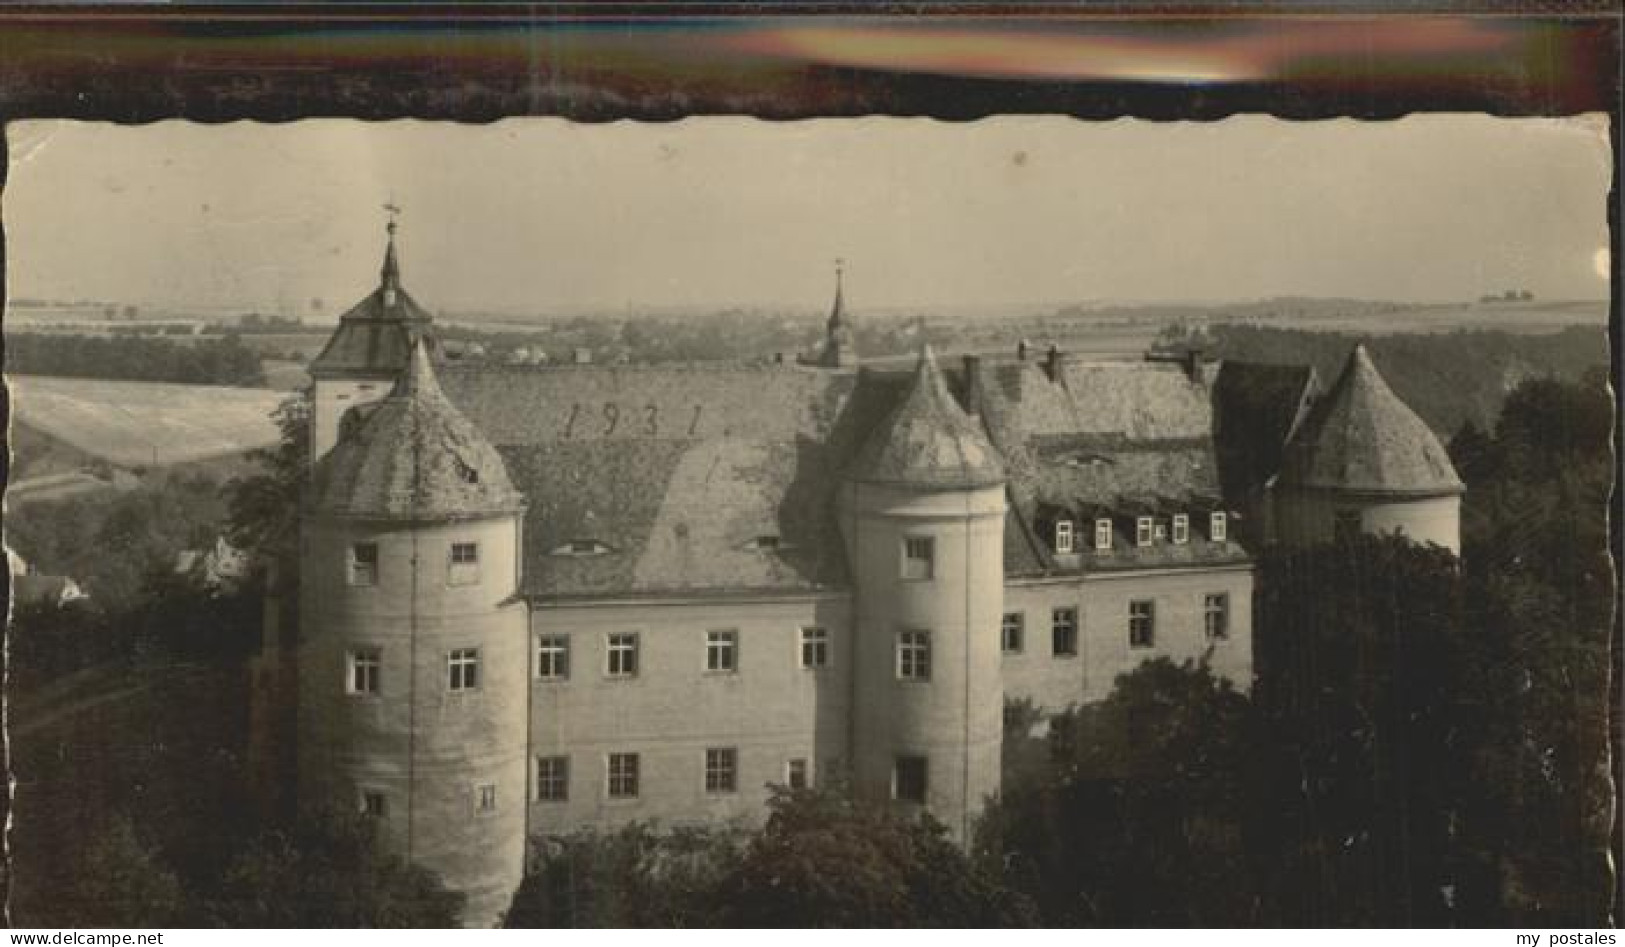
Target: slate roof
x: 375, y: 337
x: 928, y: 441
x: 642, y: 481
x: 1362, y: 438
x: 412, y: 456
x: 1088, y: 434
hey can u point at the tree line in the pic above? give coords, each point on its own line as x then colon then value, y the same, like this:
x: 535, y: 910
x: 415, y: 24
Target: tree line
x: 132, y: 358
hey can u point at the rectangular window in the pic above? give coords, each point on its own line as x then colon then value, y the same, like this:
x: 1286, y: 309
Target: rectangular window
x: 1103, y: 535
x: 795, y: 774
x: 364, y: 564
x: 814, y: 647
x: 623, y: 776
x: 553, y: 657
x: 374, y: 804
x: 721, y: 769
x: 1182, y: 529
x: 1345, y: 525
x: 914, y: 656
x: 919, y: 557
x: 1142, y: 624
x: 1142, y: 531
x: 1063, y: 626
x: 463, y: 669
x: 485, y: 798
x: 464, y: 564
x: 366, y: 665
x: 909, y: 779
x: 1218, y: 526
x: 623, y: 654
x: 1011, y: 632
x: 1216, y: 616
x: 552, y: 778
x: 1063, y: 536
x: 722, y: 651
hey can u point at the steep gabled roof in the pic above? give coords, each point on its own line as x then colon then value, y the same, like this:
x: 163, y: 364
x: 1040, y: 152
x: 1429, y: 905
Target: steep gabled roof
x: 412, y: 456
x: 1362, y: 438
x: 928, y: 441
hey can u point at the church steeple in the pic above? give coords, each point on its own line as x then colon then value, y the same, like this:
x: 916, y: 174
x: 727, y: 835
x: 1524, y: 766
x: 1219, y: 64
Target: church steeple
x: 840, y: 342
x: 389, y: 276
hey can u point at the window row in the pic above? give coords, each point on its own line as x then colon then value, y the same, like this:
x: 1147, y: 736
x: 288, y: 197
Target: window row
x: 1147, y: 530
x: 462, y: 564
x: 622, y: 653
x: 1142, y: 625
x: 623, y: 774
x: 364, y: 670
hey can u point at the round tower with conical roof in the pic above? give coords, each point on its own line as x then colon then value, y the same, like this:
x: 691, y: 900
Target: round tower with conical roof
x: 922, y: 515
x: 413, y: 661
x: 1363, y: 462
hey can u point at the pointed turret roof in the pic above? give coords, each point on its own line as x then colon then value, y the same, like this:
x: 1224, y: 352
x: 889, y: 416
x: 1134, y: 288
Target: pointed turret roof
x: 412, y: 456
x: 840, y: 343
x: 1361, y: 438
x: 376, y: 334
x: 928, y: 441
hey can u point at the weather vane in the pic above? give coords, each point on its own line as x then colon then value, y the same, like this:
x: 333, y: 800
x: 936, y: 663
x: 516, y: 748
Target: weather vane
x: 394, y: 212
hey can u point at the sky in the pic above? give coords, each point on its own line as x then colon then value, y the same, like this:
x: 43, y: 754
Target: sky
x: 547, y: 216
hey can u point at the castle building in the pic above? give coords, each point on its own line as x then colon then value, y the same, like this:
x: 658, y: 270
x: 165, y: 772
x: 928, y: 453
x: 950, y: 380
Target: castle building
x: 540, y: 598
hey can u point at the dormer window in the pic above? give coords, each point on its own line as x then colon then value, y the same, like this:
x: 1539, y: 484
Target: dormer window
x: 1218, y: 528
x: 1063, y: 537
x: 1103, y: 534
x: 581, y: 547
x: 1182, y: 529
x: 1142, y: 531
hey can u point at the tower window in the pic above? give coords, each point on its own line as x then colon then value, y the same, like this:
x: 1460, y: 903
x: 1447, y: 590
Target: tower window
x: 721, y: 769
x: 485, y: 798
x: 722, y: 651
x: 914, y: 656
x: 553, y: 657
x: 463, y: 669
x: 364, y: 564
x: 814, y: 647
x: 1064, y: 632
x: 1012, y: 631
x: 1142, y: 624
x: 623, y: 776
x: 1142, y: 531
x: 374, y: 804
x: 365, y: 670
x: 909, y: 779
x: 1182, y: 529
x: 919, y: 557
x: 552, y: 778
x: 1345, y: 525
x: 1103, y: 534
x: 464, y: 567
x: 623, y: 654
x: 795, y: 774
x: 1063, y: 537
x: 1218, y: 526
x: 1216, y: 616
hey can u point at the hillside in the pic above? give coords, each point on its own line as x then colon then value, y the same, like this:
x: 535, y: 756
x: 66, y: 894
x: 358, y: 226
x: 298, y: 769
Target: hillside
x: 1447, y: 378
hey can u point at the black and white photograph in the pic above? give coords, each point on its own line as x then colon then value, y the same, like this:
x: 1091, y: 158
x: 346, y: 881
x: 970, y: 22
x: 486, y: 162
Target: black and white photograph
x: 850, y: 522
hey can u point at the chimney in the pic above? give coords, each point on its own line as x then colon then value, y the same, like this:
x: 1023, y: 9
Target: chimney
x: 973, y: 383
x: 1021, y: 350
x: 1052, y: 362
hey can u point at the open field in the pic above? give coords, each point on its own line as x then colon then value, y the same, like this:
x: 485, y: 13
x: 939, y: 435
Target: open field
x: 142, y: 424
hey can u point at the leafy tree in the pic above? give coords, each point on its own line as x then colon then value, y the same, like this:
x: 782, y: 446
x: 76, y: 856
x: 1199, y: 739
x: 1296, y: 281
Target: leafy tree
x: 1140, y: 816
x: 124, y: 883
x: 637, y: 876
x: 264, y: 506
x: 824, y: 860
x: 328, y: 871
